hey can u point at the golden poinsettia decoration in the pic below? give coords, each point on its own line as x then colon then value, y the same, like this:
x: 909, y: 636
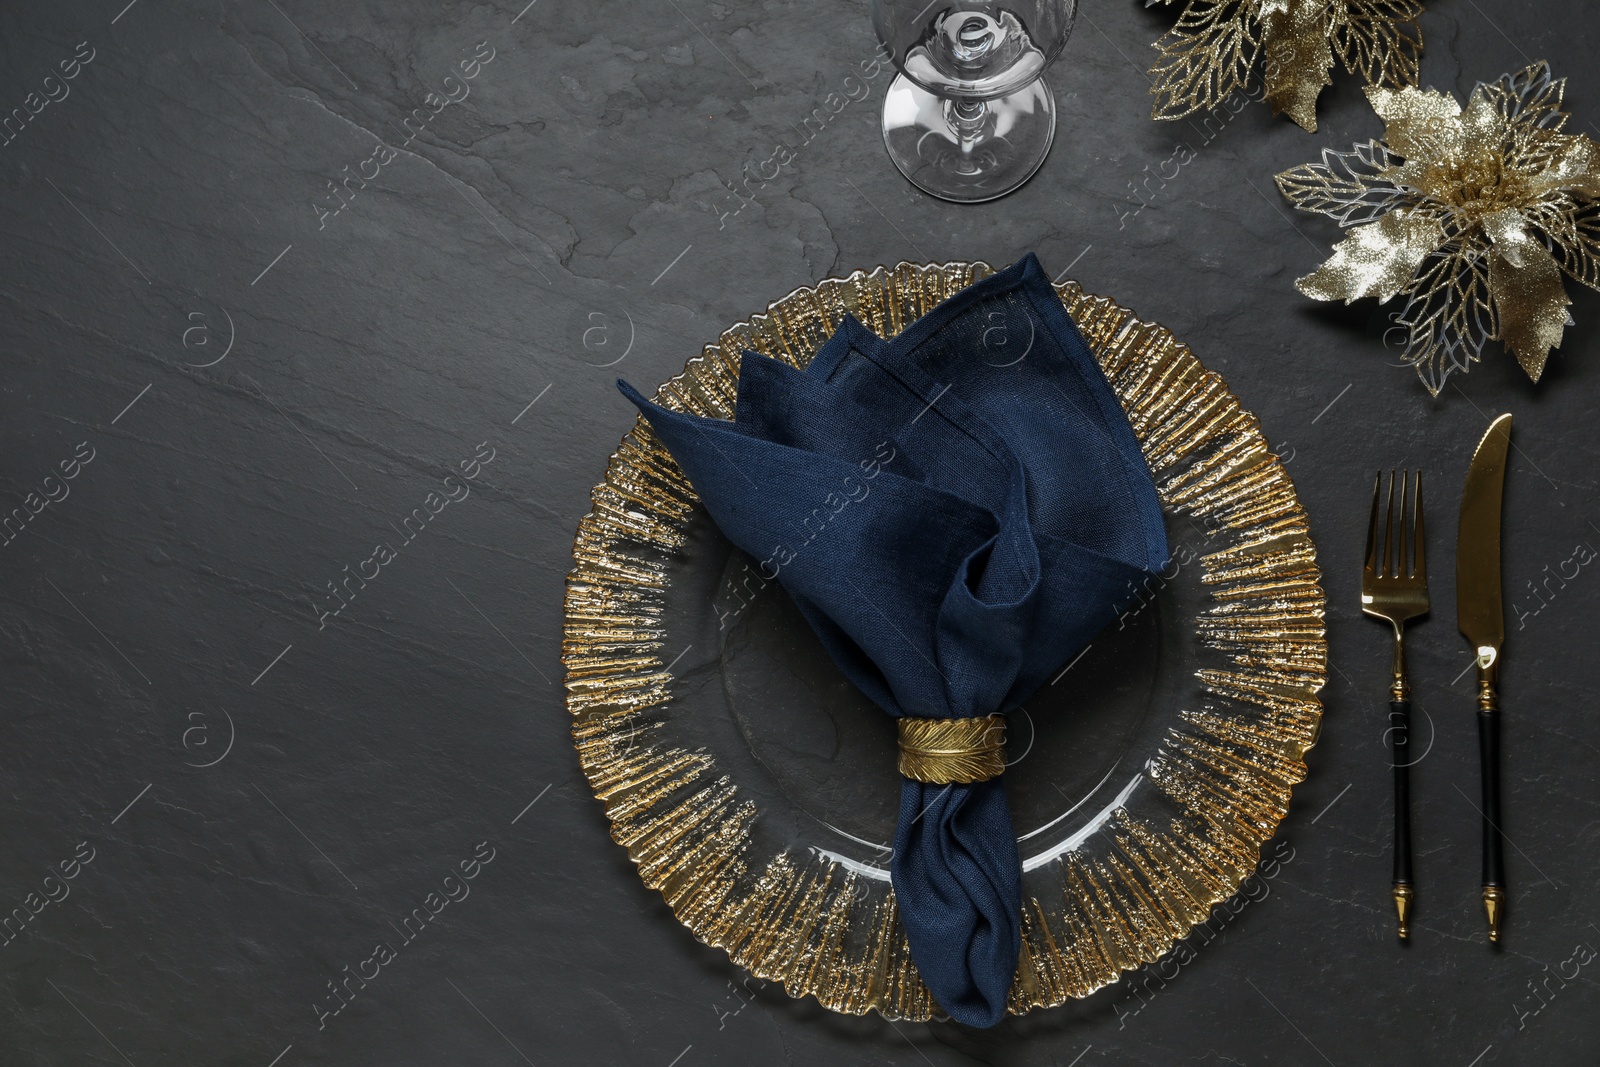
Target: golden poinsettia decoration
x: 1211, y: 53
x: 1472, y: 215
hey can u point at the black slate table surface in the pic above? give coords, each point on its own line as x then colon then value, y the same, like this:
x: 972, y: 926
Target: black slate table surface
x: 254, y: 371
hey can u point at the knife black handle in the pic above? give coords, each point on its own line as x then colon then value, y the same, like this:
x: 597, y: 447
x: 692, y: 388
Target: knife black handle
x: 1494, y: 876
x: 1400, y: 746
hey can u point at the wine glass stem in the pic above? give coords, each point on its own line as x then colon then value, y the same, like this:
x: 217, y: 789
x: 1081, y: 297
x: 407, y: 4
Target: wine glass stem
x: 967, y: 120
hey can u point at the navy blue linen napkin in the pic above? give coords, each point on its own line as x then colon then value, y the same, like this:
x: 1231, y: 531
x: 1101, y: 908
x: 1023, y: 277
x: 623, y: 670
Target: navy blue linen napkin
x: 956, y: 512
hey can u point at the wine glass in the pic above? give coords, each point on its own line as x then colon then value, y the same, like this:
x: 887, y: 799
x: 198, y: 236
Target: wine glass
x: 969, y: 117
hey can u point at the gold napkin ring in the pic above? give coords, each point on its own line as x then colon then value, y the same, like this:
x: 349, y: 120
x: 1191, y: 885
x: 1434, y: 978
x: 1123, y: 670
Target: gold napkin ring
x: 942, y: 751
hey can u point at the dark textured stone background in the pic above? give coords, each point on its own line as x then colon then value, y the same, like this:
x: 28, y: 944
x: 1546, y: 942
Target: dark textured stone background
x: 138, y: 614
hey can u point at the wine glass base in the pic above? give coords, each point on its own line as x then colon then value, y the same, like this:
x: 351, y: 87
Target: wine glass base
x: 967, y: 152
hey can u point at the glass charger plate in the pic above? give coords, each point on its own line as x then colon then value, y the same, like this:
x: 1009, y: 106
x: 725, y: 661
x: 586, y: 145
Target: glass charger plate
x: 755, y: 788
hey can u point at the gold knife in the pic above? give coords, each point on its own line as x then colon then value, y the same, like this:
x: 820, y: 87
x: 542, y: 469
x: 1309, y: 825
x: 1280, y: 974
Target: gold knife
x: 1481, y: 616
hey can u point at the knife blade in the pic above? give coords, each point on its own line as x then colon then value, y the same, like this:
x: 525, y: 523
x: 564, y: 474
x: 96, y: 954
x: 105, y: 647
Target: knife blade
x: 1480, y: 614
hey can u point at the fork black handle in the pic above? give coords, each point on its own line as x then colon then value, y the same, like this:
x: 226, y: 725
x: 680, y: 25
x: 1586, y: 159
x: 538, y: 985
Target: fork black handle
x: 1400, y: 747
x: 1494, y: 875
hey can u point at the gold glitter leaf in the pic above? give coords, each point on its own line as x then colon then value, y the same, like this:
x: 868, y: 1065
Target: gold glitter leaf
x: 1299, y: 57
x: 1419, y: 124
x: 1572, y: 162
x: 1377, y: 259
x: 1532, y: 302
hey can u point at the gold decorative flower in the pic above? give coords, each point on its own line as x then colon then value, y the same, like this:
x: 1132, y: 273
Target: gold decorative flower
x: 1211, y: 52
x: 1470, y: 214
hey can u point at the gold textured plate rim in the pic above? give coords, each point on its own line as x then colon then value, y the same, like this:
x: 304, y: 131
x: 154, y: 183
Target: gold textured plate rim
x: 1229, y: 768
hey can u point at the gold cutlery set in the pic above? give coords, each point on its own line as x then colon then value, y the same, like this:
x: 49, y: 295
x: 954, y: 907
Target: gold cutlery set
x: 1394, y: 587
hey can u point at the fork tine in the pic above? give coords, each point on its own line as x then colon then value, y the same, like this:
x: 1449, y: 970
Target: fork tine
x: 1388, y: 570
x: 1402, y: 555
x: 1418, y: 541
x: 1371, y: 565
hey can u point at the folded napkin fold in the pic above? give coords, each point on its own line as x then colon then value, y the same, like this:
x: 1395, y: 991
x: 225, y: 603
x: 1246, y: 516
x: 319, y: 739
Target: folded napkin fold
x: 956, y: 512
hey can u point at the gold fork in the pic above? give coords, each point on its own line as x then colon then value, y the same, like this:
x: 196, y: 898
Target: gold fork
x: 1394, y: 587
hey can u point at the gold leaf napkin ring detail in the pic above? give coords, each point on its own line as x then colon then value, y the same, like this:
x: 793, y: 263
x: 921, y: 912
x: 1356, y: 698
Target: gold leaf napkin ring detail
x: 942, y: 751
